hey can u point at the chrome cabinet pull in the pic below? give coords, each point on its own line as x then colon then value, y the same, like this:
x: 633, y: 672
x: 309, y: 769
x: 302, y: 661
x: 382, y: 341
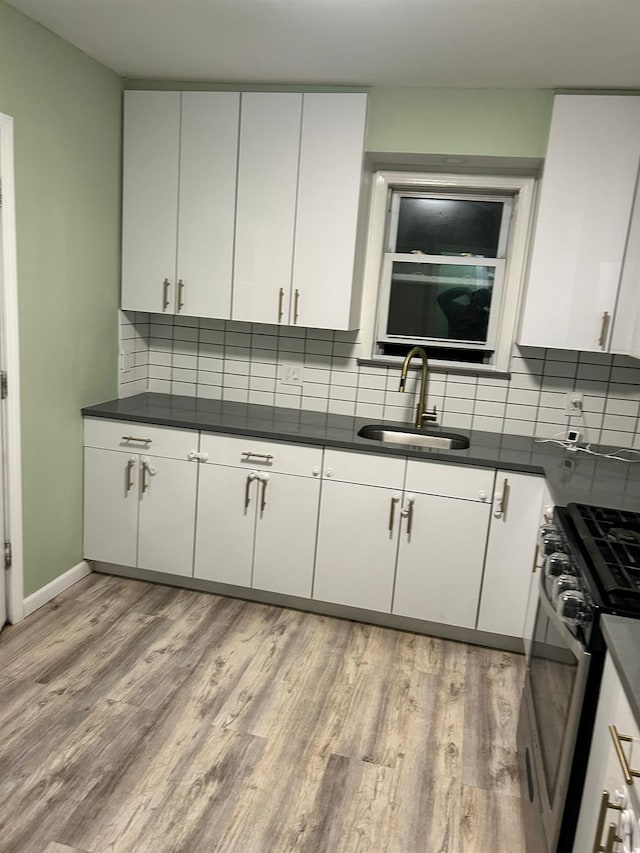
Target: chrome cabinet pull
x: 251, y: 476
x: 145, y: 484
x: 180, y: 295
x: 501, y: 499
x: 296, y: 301
x: 407, y: 512
x: 130, y: 465
x: 392, y: 510
x: 280, y: 300
x: 603, y: 329
x: 136, y: 438
x: 602, y: 816
x: 248, y: 454
x: 165, y: 299
x: 622, y: 758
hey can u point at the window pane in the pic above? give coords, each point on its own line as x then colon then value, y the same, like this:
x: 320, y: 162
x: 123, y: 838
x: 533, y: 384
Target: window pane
x: 448, y: 226
x: 440, y: 301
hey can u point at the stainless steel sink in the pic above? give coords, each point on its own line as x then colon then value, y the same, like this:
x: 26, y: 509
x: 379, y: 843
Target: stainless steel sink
x: 414, y: 437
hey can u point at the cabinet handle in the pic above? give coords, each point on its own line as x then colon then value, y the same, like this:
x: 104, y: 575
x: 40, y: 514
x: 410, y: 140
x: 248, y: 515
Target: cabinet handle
x: 612, y: 838
x: 603, y: 329
x: 165, y: 299
x: 280, y: 300
x: 248, y: 454
x: 264, y: 479
x: 130, y: 465
x: 135, y: 438
x: 180, y: 295
x: 250, y: 477
x: 622, y: 758
x: 296, y: 300
x: 392, y: 510
x: 407, y: 512
x: 145, y: 484
x: 602, y: 816
x: 501, y: 499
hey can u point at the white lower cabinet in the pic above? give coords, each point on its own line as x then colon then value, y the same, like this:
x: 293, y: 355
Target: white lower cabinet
x: 257, y: 514
x: 139, y: 509
x: 511, y: 553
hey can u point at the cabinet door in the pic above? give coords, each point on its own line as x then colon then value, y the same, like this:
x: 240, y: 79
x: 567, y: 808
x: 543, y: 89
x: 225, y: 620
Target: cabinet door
x: 167, y: 515
x: 226, y: 525
x: 329, y: 181
x: 150, y: 199
x: 585, y: 205
x: 440, y: 559
x: 266, y: 201
x: 286, y: 534
x: 357, y: 544
x: 625, y: 336
x: 110, y: 506
x: 511, y: 553
x: 208, y: 163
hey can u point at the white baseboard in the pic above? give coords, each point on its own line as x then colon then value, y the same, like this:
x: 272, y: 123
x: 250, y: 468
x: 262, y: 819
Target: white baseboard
x: 55, y: 587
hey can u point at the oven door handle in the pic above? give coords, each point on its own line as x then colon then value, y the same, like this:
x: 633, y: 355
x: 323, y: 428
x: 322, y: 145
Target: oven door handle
x: 570, y: 640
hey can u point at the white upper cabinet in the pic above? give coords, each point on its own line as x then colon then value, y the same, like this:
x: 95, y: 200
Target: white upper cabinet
x: 150, y: 199
x: 331, y: 146
x: 267, y: 185
x: 625, y: 335
x: 580, y: 237
x: 179, y: 185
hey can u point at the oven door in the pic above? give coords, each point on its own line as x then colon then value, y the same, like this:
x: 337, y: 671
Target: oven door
x: 553, y: 695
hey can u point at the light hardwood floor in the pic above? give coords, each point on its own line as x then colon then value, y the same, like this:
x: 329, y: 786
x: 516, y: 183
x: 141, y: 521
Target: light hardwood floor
x: 137, y: 717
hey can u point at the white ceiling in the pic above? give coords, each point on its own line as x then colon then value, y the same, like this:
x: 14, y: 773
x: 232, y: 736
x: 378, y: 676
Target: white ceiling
x: 462, y: 43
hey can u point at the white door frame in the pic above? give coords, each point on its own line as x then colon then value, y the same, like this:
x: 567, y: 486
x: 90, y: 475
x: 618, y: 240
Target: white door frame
x: 10, y: 361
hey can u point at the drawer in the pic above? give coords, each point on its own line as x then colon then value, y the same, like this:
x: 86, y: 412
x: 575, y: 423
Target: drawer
x: 369, y: 469
x: 247, y: 452
x: 454, y: 481
x: 140, y: 438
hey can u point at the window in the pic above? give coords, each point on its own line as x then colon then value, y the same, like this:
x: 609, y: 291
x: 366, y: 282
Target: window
x: 444, y: 267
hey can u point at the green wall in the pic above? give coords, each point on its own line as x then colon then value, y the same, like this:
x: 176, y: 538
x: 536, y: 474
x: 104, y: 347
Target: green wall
x: 483, y: 122
x: 67, y: 128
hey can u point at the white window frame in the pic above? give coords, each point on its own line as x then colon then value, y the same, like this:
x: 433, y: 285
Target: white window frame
x: 384, y: 183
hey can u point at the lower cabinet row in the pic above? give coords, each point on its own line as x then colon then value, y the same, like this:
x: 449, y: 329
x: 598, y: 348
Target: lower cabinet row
x: 450, y: 544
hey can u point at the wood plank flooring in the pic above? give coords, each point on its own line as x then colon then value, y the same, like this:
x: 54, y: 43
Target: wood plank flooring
x: 137, y: 717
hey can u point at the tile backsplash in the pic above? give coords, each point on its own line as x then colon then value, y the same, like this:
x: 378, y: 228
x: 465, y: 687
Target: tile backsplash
x: 218, y: 359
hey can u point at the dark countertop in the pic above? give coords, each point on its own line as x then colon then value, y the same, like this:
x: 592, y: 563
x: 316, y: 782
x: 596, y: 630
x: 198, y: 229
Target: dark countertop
x: 623, y: 641
x: 571, y: 476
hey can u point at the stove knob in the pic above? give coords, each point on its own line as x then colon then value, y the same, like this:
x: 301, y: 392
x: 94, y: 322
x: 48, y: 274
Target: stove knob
x: 561, y: 584
x: 557, y: 564
x: 572, y: 607
x: 550, y: 541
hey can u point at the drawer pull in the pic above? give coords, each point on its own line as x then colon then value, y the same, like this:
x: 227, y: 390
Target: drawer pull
x: 145, y: 485
x: 280, y: 298
x: 251, y: 476
x: 392, y: 510
x: 296, y: 302
x: 602, y: 816
x: 622, y: 758
x: 136, y: 438
x: 166, y: 284
x: 603, y: 330
x: 407, y: 512
x: 264, y: 479
x: 180, y: 295
x: 249, y: 454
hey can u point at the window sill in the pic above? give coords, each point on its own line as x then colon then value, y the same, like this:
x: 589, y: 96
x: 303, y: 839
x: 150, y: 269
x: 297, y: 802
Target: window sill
x: 443, y: 366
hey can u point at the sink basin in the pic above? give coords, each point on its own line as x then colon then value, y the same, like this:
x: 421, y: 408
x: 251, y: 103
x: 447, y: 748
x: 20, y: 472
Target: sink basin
x: 414, y: 437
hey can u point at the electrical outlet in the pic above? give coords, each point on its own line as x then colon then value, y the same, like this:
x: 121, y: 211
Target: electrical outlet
x: 573, y: 404
x: 291, y: 374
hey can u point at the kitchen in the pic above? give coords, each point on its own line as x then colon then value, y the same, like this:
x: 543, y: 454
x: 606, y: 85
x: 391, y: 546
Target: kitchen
x: 73, y: 247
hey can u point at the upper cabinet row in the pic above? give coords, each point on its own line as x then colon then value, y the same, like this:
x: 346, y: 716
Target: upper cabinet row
x: 585, y: 265
x: 242, y: 206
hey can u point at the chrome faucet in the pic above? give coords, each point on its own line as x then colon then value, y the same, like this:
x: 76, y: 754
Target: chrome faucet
x: 421, y: 414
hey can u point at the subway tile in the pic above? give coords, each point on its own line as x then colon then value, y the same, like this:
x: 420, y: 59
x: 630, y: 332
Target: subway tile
x: 599, y: 358
x: 318, y: 347
x: 370, y: 395
x: 456, y: 404
x: 622, y: 407
x: 517, y: 412
x: 341, y: 407
x: 320, y: 334
x: 261, y: 398
x: 291, y: 345
x: 315, y: 389
x: 619, y: 423
x: 455, y: 420
x: 614, y: 438
x: 210, y: 377
x: 159, y: 330
x: 623, y: 391
x: 493, y: 393
x: 344, y: 377
x: 315, y: 360
x: 159, y: 371
x: 317, y: 374
x: 399, y: 398
x: 267, y: 356
x: 179, y: 374
x: 206, y: 363
x: 368, y: 410
x: 484, y: 423
x: 397, y: 414
x: 461, y: 390
x: 346, y: 350
x: 546, y: 431
x: 288, y: 401
x: 531, y: 352
x: 184, y: 360
x: 160, y: 386
x: 128, y: 389
x: 208, y: 324
x: 185, y: 333
x: 594, y: 372
x: 552, y: 416
x: 591, y: 421
x: 372, y: 381
x: 161, y: 319
x: 314, y: 404
x: 352, y: 336
x: 529, y: 382
x: 486, y: 408
x: 626, y: 375
x: 568, y: 355
x: 234, y: 366
x: 239, y: 327
x: 518, y: 427
x: 262, y: 383
x: 237, y: 353
x: 183, y: 389
x: 213, y: 336
x: 560, y: 368
x: 141, y: 359
x: 232, y: 380
x: 184, y: 321
x: 292, y: 331
x: 560, y: 384
x: 185, y: 348
x: 210, y: 392
x: 265, y: 370
x: 523, y: 397
x: 269, y: 342
x: 235, y: 395
x: 553, y: 400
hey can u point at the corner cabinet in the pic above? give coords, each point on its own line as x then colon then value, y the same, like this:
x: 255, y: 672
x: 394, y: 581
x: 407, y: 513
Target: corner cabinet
x: 179, y: 188
x: 577, y: 275
x: 243, y: 206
